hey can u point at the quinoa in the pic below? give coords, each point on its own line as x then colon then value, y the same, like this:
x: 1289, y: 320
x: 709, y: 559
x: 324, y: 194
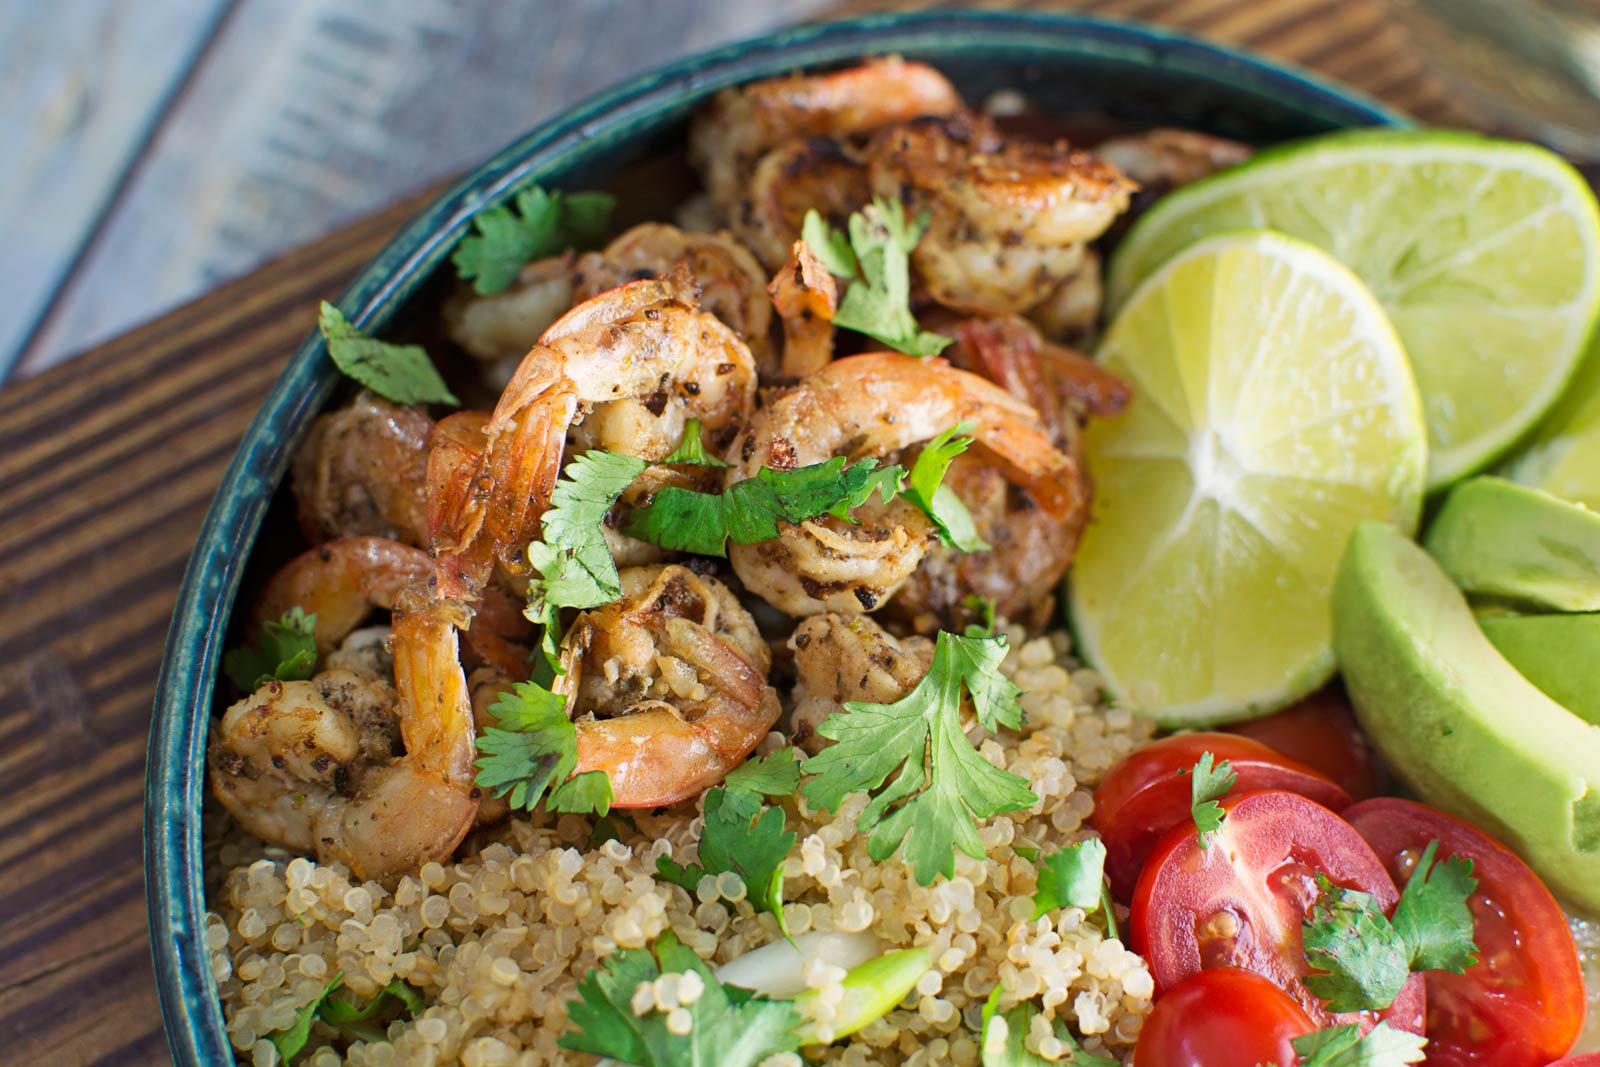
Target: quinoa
x: 497, y: 940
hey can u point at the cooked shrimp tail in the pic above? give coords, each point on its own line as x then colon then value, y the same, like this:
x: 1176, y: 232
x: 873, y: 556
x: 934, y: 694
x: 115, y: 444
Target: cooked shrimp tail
x: 806, y: 297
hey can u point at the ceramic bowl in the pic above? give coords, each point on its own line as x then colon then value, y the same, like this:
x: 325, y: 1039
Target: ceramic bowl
x: 1134, y: 75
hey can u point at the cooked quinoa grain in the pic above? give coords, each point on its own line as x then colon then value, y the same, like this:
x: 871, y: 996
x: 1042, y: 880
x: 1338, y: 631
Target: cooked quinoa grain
x: 497, y: 940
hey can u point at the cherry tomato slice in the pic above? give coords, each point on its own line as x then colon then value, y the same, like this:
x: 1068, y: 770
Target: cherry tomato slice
x: 1321, y: 732
x: 1591, y: 1060
x: 1149, y: 793
x: 1222, y: 1017
x: 1241, y: 900
x: 1522, y: 1004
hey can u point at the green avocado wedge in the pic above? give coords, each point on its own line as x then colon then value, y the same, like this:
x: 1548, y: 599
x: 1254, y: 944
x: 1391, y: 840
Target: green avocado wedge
x: 1496, y: 538
x: 1558, y: 653
x: 1456, y: 722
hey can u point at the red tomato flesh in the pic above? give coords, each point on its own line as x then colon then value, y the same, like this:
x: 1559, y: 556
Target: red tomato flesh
x: 1222, y: 1017
x: 1591, y: 1060
x: 1149, y: 793
x: 1321, y: 732
x: 1240, y: 902
x: 1522, y: 1004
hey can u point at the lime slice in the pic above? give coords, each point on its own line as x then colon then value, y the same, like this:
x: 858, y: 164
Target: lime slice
x: 1273, y: 410
x: 1485, y: 254
x: 1563, y: 457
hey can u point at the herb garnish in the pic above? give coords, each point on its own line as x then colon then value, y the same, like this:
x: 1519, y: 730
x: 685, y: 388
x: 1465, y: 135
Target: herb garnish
x: 533, y: 747
x: 543, y: 224
x: 402, y: 373
x: 285, y: 651
x: 1209, y: 782
x: 1012, y: 1050
x: 1344, y: 1046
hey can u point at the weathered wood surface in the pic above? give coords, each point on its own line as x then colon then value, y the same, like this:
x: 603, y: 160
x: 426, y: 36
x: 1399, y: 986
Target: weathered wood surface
x: 106, y: 468
x: 299, y: 117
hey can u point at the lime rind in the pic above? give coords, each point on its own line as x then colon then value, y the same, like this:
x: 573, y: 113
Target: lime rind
x: 1485, y: 253
x: 1204, y: 600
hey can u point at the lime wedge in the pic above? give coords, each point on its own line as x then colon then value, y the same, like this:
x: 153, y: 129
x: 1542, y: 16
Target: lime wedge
x: 1485, y: 254
x: 1273, y: 410
x: 1563, y: 458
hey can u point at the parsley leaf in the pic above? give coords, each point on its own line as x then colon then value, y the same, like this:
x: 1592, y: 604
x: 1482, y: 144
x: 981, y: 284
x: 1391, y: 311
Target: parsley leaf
x: 775, y: 775
x: 1347, y: 936
x: 341, y: 1013
x: 943, y: 506
x: 289, y: 1042
x: 544, y: 224
x: 1208, y: 784
x: 691, y: 451
x: 744, y: 836
x: 983, y: 608
x: 1432, y: 917
x: 402, y: 373
x: 286, y: 651
x: 876, y: 260
x: 748, y: 512
x: 731, y: 1026
x: 1343, y: 1046
x: 940, y: 782
x: 1011, y: 1050
x: 575, y: 566
x: 533, y: 746
x: 1071, y: 877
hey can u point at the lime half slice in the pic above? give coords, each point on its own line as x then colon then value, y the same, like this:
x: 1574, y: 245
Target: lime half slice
x: 1563, y: 458
x: 1273, y: 410
x: 1485, y: 254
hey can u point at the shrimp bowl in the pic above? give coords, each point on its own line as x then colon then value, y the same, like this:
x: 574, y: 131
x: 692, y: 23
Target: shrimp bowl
x: 528, y: 684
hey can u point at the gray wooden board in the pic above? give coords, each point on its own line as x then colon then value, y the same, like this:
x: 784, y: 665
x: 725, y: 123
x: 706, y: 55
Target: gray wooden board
x: 305, y: 114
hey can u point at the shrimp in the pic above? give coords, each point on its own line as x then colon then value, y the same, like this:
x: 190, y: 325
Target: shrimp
x: 667, y: 686
x: 848, y: 657
x: 500, y: 327
x: 1163, y: 159
x: 1071, y: 313
x: 741, y: 124
x: 361, y: 471
x: 876, y: 404
x: 342, y: 582
x: 313, y: 765
x: 624, y: 371
x: 807, y: 174
x: 806, y: 297
x: 1010, y: 220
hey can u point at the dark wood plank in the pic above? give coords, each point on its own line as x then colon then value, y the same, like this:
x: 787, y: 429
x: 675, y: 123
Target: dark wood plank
x: 106, y: 468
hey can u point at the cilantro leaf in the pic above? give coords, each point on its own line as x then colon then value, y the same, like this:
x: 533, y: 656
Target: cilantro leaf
x: 730, y: 1026
x: 575, y: 566
x: 748, y: 512
x: 1071, y: 877
x: 285, y: 651
x: 290, y: 1041
x: 983, y: 608
x: 545, y: 223
x: 1347, y: 936
x: 691, y: 451
x: 532, y: 747
x: 940, y: 783
x: 343, y: 1013
x: 940, y: 502
x: 402, y: 373
x: 1343, y: 1046
x: 775, y: 775
x: 744, y: 836
x: 1207, y: 785
x: 1432, y: 917
x: 1011, y: 1050
x: 876, y: 260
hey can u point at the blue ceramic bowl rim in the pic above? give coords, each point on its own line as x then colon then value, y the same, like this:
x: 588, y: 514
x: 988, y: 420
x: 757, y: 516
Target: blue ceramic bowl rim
x: 175, y: 770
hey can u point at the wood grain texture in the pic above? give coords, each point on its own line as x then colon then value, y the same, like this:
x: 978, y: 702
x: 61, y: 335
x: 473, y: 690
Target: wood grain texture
x: 307, y: 114
x: 106, y: 468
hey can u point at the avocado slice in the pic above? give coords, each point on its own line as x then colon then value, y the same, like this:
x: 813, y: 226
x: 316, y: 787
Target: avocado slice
x: 1558, y: 653
x: 1497, y: 538
x: 1456, y: 721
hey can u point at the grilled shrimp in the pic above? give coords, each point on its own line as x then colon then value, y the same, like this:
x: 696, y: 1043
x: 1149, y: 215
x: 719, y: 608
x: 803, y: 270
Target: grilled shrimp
x: 1071, y: 313
x: 1164, y: 158
x: 875, y: 405
x: 848, y: 657
x: 361, y: 471
x: 667, y: 686
x: 342, y: 582
x: 501, y: 326
x: 806, y: 297
x: 354, y: 770
x: 1010, y: 220
x: 807, y: 174
x: 623, y: 371
x: 741, y: 124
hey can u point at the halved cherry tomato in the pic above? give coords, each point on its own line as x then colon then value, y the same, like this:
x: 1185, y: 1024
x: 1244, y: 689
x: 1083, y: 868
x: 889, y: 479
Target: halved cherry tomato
x: 1522, y: 1004
x: 1148, y: 793
x: 1321, y: 732
x: 1222, y: 1017
x: 1240, y: 900
x: 1591, y: 1060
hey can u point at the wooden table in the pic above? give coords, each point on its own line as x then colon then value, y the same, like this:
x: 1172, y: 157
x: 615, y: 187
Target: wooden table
x: 107, y: 465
